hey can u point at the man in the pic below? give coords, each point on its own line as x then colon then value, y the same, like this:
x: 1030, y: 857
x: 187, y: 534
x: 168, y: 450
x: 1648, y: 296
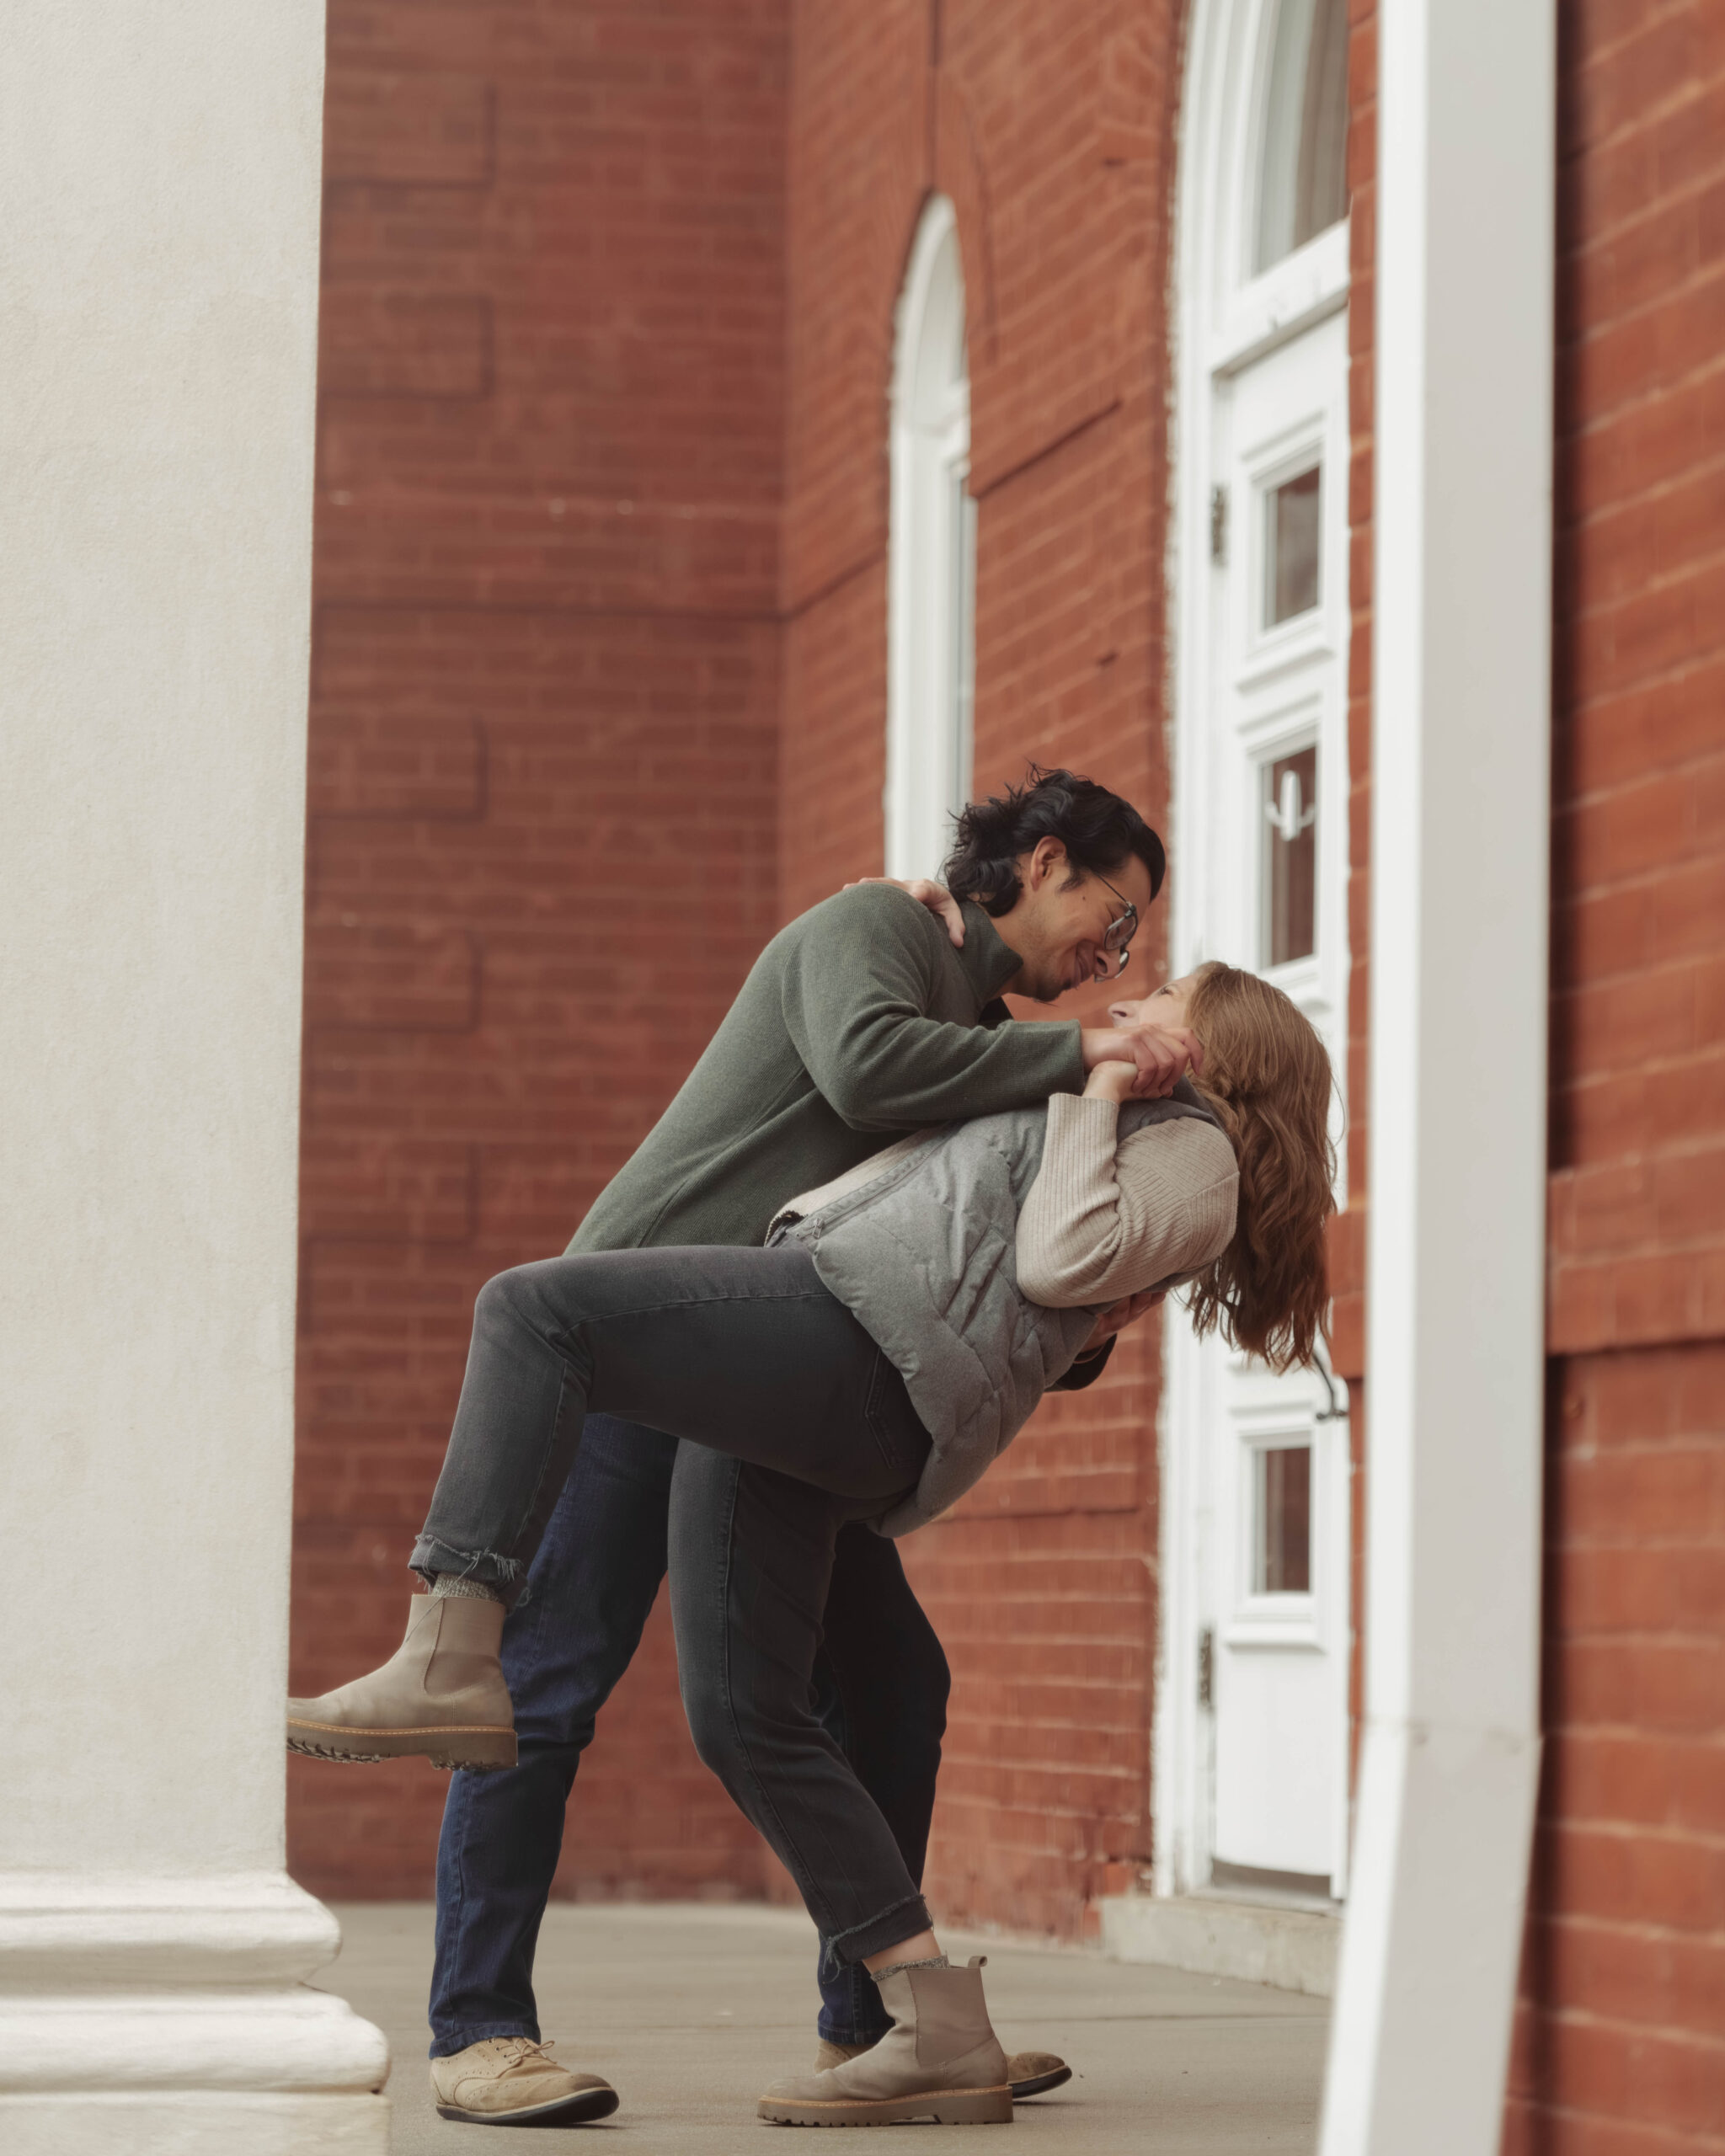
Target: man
x: 861, y: 1020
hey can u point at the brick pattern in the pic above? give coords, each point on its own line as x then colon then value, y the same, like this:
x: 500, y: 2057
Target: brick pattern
x: 1637, y: 1212
x: 1621, y: 2037
x: 544, y: 760
x: 1052, y: 131
x: 1347, y: 1235
x: 1619, y: 2048
x: 1347, y: 1248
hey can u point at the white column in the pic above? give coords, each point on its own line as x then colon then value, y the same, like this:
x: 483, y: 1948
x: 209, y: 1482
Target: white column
x: 1420, y: 2040
x: 159, y: 291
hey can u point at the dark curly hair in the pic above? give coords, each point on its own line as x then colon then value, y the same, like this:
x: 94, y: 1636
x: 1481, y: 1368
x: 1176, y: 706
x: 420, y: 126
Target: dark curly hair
x: 1099, y: 831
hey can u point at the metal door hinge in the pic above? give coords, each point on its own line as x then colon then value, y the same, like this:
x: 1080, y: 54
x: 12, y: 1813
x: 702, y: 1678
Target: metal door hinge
x: 1207, y: 1666
x: 1219, y: 525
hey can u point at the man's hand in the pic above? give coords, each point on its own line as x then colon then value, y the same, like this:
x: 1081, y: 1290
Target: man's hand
x: 935, y: 896
x: 1162, y: 1055
x: 1117, y: 1316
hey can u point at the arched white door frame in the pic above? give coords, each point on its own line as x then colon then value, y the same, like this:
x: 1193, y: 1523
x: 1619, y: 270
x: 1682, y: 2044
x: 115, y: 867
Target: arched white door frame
x: 931, y: 556
x: 1227, y: 320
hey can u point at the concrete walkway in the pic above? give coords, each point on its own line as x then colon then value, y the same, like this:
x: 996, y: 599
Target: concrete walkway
x: 690, y: 2010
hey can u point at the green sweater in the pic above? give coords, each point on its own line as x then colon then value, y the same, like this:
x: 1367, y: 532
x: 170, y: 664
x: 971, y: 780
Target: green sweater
x: 858, y: 1022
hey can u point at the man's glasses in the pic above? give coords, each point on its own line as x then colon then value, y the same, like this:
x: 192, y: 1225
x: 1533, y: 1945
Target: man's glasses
x: 1117, y: 936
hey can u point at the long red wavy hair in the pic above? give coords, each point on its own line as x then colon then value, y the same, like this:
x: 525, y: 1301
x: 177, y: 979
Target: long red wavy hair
x: 1267, y: 1077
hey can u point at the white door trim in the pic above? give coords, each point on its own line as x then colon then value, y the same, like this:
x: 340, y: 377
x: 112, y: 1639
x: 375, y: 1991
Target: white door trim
x: 1420, y: 2040
x: 1226, y: 321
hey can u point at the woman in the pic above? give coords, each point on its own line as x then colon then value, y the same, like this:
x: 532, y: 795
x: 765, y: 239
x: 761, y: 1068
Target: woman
x: 870, y: 1363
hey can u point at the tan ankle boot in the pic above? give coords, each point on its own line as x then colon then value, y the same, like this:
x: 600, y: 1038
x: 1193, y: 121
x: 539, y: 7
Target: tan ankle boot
x: 941, y: 2059
x: 440, y: 1696
x: 1030, y: 2074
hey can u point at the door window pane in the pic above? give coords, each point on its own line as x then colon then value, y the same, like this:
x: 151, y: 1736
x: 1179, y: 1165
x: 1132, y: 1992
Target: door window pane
x: 1290, y: 547
x: 1283, y: 1564
x: 1303, y: 177
x: 1290, y: 869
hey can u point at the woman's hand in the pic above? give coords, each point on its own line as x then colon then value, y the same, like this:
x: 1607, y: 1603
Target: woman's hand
x: 1112, y: 1082
x: 1117, y: 1316
x: 935, y: 896
x: 1160, y: 1054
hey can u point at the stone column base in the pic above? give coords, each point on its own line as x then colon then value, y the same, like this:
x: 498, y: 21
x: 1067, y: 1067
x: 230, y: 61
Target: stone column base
x: 170, y: 2017
x: 193, y: 2122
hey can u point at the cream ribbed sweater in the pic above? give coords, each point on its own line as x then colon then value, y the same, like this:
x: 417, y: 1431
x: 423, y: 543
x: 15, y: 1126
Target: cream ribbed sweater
x: 1105, y: 1218
x: 1109, y: 1217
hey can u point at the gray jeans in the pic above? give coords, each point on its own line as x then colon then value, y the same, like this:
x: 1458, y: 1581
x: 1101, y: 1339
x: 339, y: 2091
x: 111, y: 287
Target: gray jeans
x: 795, y: 1424
x: 742, y: 1350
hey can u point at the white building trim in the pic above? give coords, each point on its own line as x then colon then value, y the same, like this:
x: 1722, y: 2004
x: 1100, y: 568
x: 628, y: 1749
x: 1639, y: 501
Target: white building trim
x: 1228, y: 318
x: 1419, y: 2044
x: 159, y: 166
x: 931, y: 557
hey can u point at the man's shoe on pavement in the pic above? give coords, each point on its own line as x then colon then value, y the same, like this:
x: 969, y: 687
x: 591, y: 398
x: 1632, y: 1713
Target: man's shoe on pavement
x: 440, y: 1695
x: 508, y: 2081
x: 1030, y: 2074
x: 941, y: 2059
x: 1033, y: 2073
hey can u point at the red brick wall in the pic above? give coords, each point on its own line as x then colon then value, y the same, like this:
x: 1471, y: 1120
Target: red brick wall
x: 544, y: 729
x: 1622, y: 2039
x: 1052, y: 131
x: 1619, y: 2049
x: 1618, y: 2045
x: 1621, y: 2029
x: 563, y: 405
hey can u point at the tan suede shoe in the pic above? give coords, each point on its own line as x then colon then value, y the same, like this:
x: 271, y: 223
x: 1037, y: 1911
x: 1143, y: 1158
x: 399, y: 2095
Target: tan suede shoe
x: 509, y: 2081
x: 1030, y: 2074
x: 940, y: 2060
x: 440, y: 1696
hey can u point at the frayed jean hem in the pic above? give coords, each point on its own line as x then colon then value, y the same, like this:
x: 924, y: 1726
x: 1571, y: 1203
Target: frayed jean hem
x: 431, y: 1557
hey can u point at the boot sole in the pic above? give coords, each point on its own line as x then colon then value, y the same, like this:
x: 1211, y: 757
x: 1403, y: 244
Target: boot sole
x: 945, y: 2106
x: 478, y: 1749
x: 1039, y: 2085
x: 568, y: 2110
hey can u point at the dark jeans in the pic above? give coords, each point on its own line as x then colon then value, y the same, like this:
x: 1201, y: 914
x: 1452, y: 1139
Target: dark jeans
x: 880, y: 1690
x: 742, y: 1350
x: 752, y: 1556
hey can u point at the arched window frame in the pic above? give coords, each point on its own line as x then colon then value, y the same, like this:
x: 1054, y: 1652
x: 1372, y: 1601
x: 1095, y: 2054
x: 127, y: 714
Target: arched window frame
x: 1230, y: 315
x: 931, y: 557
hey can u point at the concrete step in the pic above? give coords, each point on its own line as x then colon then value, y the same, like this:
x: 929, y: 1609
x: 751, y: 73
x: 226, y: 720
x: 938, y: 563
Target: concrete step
x: 1212, y: 1935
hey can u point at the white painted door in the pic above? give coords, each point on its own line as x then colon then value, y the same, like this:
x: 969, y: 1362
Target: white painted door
x: 1272, y: 1455
x: 1252, y: 1751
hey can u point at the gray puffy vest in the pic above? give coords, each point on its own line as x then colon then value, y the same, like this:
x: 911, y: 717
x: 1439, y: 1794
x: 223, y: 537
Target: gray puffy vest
x: 926, y: 1257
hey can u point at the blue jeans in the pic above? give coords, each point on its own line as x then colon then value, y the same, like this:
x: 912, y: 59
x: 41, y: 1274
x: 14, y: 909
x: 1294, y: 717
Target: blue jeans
x: 881, y: 1684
